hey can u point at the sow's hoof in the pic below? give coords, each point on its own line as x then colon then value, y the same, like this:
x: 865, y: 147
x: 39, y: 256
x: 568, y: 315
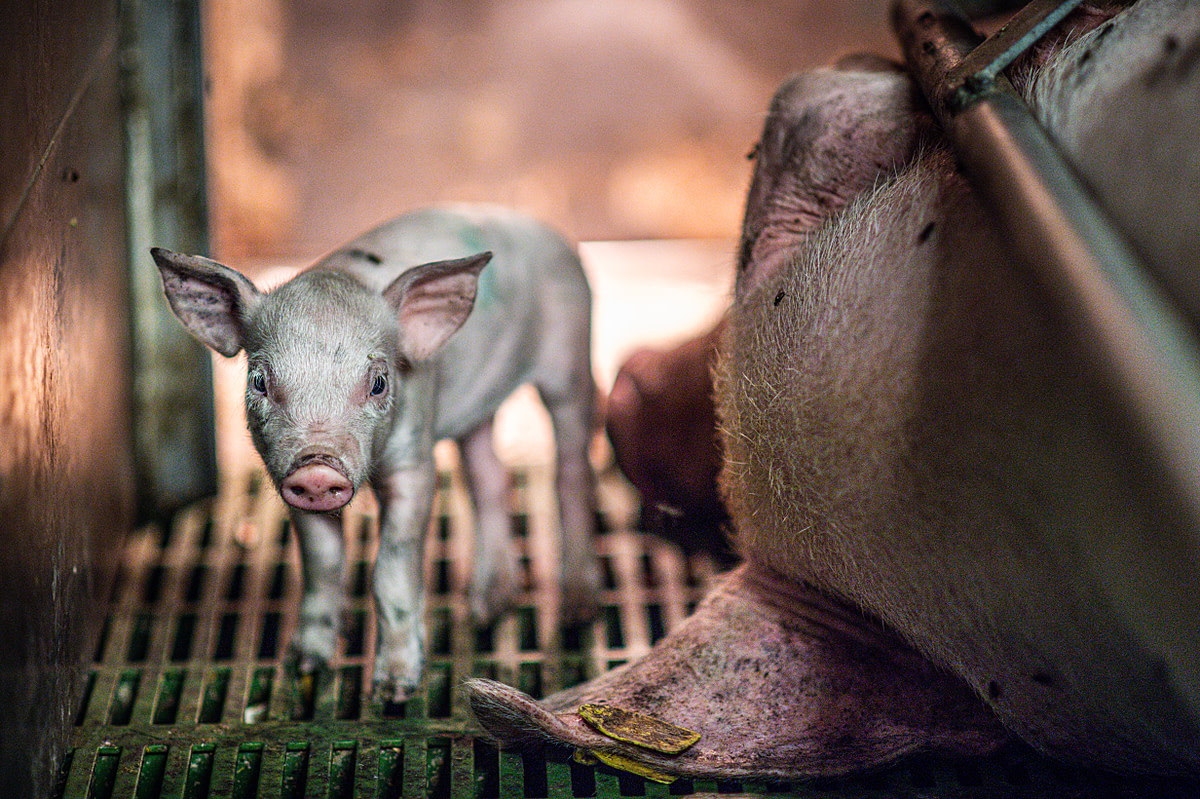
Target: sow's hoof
x: 779, y: 681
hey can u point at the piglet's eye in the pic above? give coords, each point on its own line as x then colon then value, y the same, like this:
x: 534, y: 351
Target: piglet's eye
x: 379, y: 386
x: 259, y: 382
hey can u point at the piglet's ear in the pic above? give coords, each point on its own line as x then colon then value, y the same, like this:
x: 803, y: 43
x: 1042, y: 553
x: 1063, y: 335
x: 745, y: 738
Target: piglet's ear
x: 432, y: 301
x: 212, y: 301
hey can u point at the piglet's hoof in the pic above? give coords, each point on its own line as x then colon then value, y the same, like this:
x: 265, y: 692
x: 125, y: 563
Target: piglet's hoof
x: 779, y: 681
x: 494, y: 587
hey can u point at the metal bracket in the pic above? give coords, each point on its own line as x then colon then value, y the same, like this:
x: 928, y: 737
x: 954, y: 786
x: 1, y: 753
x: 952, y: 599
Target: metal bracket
x: 1146, y: 346
x: 975, y: 76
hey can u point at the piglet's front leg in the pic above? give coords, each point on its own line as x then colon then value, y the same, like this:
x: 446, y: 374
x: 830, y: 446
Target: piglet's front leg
x: 405, y: 502
x: 321, y: 556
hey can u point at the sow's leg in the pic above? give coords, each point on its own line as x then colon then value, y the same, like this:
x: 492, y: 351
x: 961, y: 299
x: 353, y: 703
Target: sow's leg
x: 780, y: 679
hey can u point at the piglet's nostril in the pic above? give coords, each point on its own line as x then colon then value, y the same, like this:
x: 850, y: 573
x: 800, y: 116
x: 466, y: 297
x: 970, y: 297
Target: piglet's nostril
x: 316, y: 487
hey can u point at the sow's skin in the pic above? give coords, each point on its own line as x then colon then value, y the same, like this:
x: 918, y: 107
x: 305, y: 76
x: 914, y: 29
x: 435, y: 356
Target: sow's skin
x: 359, y: 364
x: 931, y: 485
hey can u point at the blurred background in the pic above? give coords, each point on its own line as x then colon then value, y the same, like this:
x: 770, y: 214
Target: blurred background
x: 623, y: 119
x: 625, y: 124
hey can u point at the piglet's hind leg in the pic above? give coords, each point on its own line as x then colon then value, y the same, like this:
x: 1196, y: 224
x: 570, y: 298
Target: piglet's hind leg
x: 780, y: 682
x: 495, y: 576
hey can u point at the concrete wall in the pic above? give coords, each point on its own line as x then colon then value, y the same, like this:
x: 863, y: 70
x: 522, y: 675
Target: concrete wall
x: 66, y: 482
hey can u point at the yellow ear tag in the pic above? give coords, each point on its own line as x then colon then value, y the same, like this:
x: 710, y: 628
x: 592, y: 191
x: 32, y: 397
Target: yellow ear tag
x: 638, y: 729
x: 632, y: 766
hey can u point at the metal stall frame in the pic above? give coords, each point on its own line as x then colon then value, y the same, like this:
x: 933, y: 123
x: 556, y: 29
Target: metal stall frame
x: 1142, y: 340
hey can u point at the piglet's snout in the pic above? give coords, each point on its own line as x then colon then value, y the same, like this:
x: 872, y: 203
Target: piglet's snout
x: 316, y: 485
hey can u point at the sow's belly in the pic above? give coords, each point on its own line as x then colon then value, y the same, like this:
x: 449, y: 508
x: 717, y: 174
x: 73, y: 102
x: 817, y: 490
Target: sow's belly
x: 933, y: 489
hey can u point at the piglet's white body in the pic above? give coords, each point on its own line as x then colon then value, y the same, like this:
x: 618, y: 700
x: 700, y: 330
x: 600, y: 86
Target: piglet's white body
x: 359, y: 364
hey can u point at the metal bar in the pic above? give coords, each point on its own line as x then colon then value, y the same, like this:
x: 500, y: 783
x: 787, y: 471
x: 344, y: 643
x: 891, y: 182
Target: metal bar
x: 982, y: 65
x: 1150, y: 351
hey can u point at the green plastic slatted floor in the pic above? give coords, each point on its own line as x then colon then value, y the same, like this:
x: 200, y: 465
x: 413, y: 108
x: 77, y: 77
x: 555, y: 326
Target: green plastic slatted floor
x: 189, y: 697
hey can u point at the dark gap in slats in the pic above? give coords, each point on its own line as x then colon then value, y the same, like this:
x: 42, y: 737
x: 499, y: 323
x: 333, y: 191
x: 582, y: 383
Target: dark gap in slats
x: 602, y: 524
x: 654, y: 622
x: 728, y: 786
x: 527, y: 637
x: 614, y: 633
x: 486, y: 669
x: 198, y: 780
x: 630, y: 784
x: 520, y: 525
x: 89, y: 686
x: 152, y: 587
x: 439, y: 691
x: 575, y: 637
x: 529, y: 679
x: 649, y: 572
x: 102, y: 640
x: 440, y: 631
x: 166, y: 704
x: 278, y: 582
x: 487, y: 770
x: 349, y: 704
x: 443, y: 527
x: 124, y: 696
x: 391, y: 770
x: 104, y: 772
x: 166, y: 531
x: 358, y: 583
x: 281, y: 536
x: 151, y: 773
x: 195, y: 583
x: 437, y: 760
x: 485, y: 638
x: 237, y: 583
x: 225, y: 637
x: 365, y: 528
x: 294, y: 780
x: 527, y: 581
x: 690, y: 577
x: 341, y: 770
x: 247, y: 771
x: 139, y: 638
x: 535, y: 776
x: 355, y: 632
x: 268, y: 642
x: 608, y: 576
x: 441, y: 576
x: 616, y: 663
x: 258, y: 698
x: 583, y: 779
x: 682, y: 787
x: 212, y: 703
x: 394, y: 710
x: 206, y: 532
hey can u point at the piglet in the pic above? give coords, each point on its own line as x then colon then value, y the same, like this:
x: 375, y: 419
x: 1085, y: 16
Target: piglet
x: 359, y: 364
